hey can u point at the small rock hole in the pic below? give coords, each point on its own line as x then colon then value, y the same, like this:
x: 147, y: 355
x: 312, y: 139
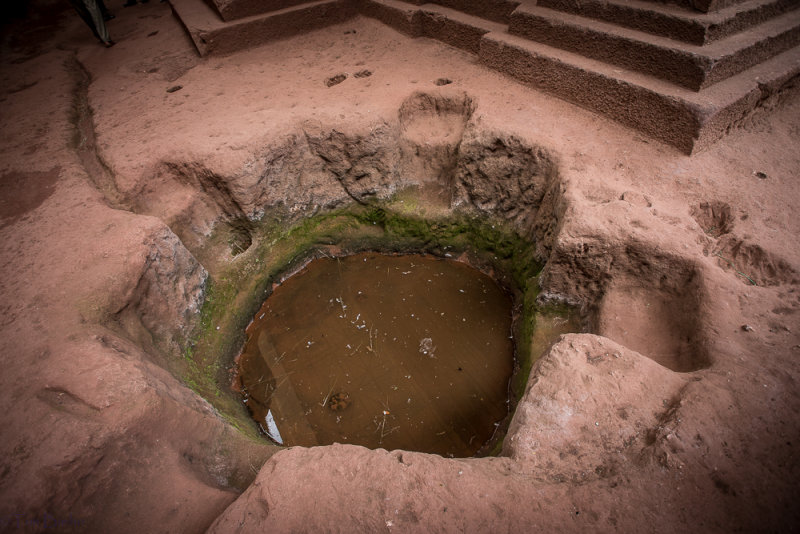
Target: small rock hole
x: 335, y: 80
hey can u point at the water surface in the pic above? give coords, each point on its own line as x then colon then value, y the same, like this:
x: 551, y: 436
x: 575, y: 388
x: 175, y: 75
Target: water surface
x: 398, y: 352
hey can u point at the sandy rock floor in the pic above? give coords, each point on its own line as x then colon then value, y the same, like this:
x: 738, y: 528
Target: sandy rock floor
x: 663, y: 249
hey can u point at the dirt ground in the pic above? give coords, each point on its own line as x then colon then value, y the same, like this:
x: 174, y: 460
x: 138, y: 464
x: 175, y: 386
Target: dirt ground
x: 678, y: 412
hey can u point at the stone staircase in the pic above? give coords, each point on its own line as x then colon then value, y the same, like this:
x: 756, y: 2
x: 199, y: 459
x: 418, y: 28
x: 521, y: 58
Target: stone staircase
x: 683, y: 73
x: 223, y: 27
x: 685, y: 64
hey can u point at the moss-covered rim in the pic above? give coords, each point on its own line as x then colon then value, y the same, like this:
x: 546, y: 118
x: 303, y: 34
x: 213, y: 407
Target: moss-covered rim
x: 278, y: 248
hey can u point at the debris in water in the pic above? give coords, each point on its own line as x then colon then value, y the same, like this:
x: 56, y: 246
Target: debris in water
x: 339, y: 401
x: 426, y: 347
x: 272, y: 429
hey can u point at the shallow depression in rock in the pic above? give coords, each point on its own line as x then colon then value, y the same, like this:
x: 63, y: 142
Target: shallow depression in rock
x: 400, y: 352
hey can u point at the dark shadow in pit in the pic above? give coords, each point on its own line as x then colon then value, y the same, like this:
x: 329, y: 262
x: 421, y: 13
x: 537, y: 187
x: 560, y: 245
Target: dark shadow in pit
x: 656, y: 314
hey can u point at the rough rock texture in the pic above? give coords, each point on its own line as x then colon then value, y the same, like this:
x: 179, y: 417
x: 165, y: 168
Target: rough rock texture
x: 679, y: 415
x: 286, y: 174
x: 568, y: 431
x: 501, y: 175
x: 167, y: 295
x: 365, y: 165
x: 568, y: 425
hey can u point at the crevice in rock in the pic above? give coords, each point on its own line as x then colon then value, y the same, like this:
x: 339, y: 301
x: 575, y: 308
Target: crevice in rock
x: 65, y: 401
x: 213, y: 185
x: 84, y: 139
x: 657, y: 445
x: 213, y: 191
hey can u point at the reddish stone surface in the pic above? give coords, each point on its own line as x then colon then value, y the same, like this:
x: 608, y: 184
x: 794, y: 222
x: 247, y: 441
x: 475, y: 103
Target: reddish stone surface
x: 103, y: 269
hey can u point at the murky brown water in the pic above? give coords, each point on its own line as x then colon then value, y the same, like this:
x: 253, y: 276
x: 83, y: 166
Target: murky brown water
x: 399, y: 352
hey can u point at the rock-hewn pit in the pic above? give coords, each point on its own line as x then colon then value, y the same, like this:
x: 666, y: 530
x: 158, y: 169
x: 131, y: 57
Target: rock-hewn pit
x: 141, y: 230
x: 407, y: 352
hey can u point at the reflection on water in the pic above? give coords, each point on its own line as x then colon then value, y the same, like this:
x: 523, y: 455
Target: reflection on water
x: 399, y: 352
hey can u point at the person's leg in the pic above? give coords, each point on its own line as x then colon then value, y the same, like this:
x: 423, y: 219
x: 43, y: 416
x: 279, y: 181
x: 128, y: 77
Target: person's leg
x: 80, y: 7
x: 107, y: 15
x: 97, y: 18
